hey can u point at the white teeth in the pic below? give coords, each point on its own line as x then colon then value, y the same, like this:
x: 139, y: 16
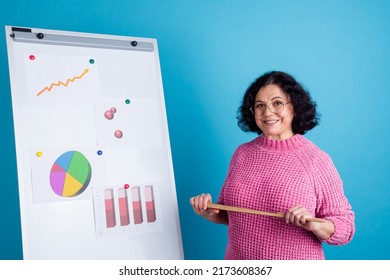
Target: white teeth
x: 270, y: 122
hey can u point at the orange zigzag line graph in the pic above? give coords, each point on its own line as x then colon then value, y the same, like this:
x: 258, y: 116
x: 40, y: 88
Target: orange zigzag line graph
x: 49, y: 88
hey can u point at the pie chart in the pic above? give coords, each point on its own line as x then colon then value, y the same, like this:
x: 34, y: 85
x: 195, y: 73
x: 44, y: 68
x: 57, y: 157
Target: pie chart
x: 70, y: 174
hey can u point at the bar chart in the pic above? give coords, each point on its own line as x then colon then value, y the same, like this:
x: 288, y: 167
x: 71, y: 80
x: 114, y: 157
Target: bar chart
x: 125, y: 210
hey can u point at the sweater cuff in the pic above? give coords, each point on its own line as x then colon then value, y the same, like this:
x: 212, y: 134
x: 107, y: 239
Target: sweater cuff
x: 343, y: 232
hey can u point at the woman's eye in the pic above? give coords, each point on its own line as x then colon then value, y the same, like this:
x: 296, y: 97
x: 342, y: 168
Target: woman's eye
x: 260, y: 106
x: 278, y: 103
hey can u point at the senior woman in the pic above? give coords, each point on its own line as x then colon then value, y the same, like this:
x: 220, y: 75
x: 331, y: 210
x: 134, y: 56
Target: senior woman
x: 280, y: 171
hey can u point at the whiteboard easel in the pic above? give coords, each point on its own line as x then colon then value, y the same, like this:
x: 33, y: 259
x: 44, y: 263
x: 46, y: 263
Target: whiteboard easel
x: 94, y: 163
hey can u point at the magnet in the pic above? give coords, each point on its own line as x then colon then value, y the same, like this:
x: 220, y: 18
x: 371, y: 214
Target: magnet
x: 108, y: 115
x: 118, y: 133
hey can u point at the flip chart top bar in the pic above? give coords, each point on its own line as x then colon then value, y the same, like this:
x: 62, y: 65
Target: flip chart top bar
x: 77, y: 41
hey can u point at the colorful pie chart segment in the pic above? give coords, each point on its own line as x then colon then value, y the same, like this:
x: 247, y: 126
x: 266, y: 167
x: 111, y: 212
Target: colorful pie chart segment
x: 70, y: 174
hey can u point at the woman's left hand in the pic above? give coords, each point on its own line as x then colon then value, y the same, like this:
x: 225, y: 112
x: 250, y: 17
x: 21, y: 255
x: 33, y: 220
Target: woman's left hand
x: 298, y: 215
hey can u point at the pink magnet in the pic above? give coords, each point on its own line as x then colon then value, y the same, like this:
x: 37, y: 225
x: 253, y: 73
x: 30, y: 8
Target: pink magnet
x: 108, y: 115
x: 118, y: 133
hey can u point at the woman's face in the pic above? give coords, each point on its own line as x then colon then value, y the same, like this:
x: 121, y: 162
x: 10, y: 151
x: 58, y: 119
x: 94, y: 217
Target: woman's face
x: 271, y: 116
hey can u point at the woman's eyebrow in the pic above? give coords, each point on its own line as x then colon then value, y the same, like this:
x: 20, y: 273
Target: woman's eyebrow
x: 276, y: 97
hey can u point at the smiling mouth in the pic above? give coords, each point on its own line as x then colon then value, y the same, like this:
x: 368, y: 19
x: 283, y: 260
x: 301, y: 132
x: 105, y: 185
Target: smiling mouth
x: 270, y: 122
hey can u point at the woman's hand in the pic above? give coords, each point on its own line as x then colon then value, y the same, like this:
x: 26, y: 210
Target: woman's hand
x: 298, y: 215
x: 199, y: 204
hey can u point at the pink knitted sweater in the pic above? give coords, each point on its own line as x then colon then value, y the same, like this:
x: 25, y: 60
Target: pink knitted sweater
x: 273, y: 176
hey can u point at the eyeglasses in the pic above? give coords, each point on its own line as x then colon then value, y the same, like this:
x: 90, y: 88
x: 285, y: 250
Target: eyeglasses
x: 275, y: 107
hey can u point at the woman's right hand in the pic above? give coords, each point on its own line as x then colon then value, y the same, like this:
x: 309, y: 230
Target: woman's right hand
x: 199, y: 204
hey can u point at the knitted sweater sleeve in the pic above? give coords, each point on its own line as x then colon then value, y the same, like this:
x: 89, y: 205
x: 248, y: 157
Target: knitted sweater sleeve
x: 332, y: 203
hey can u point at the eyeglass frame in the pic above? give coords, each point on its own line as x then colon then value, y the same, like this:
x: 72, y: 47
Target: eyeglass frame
x: 267, y: 107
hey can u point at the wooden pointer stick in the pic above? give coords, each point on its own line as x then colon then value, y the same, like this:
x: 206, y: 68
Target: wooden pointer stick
x: 256, y: 212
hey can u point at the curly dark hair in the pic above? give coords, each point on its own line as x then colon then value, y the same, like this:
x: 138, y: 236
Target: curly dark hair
x: 305, y: 114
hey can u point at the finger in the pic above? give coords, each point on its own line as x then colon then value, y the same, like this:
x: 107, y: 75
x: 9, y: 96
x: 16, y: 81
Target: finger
x: 192, y: 201
x: 302, y: 220
x: 297, y: 218
x: 203, y: 200
x: 300, y: 216
x: 195, y: 203
x: 198, y: 203
x: 296, y: 213
x: 206, y: 201
x: 290, y: 213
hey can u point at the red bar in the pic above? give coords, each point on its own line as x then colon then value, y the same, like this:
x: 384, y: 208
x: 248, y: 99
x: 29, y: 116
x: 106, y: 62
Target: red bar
x: 123, y: 207
x: 109, y: 207
x: 149, y: 201
x: 137, y: 208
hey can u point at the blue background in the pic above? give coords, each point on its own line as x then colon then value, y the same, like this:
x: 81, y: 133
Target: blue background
x: 210, y: 52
